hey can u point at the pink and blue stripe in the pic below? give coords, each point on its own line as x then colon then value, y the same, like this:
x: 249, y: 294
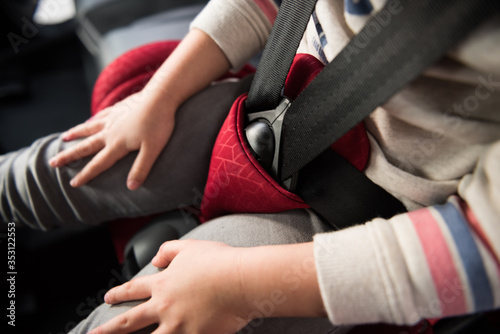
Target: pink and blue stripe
x: 470, y: 256
x: 441, y: 261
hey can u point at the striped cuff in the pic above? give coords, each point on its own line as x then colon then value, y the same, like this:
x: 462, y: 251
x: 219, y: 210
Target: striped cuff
x: 427, y: 263
x: 455, y: 253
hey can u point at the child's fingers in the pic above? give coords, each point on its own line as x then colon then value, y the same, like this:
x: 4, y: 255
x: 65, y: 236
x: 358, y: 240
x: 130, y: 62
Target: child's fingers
x: 136, y: 289
x: 83, y: 130
x: 168, y: 251
x: 142, y: 165
x: 100, y: 163
x: 87, y: 147
x: 134, y: 319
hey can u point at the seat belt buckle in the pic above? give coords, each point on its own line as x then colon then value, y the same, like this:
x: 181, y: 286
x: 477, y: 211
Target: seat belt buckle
x: 263, y: 134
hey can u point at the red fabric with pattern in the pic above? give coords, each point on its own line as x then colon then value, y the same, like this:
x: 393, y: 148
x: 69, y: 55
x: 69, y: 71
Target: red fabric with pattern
x: 236, y: 181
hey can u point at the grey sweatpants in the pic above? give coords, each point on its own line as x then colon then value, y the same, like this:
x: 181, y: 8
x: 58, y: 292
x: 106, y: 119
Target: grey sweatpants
x: 35, y: 194
x: 244, y: 230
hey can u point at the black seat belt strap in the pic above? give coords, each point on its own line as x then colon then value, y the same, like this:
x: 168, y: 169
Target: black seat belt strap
x: 376, y: 63
x: 277, y: 57
x: 343, y: 195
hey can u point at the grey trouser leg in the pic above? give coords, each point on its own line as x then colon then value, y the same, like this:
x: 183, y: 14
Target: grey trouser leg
x: 244, y: 230
x: 33, y: 193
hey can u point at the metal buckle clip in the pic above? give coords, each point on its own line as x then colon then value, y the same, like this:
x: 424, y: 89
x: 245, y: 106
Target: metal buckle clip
x: 263, y: 134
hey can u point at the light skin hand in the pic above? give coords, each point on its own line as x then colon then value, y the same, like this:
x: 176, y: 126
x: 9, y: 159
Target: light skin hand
x: 225, y: 287
x: 193, y: 295
x: 144, y: 121
x: 129, y: 125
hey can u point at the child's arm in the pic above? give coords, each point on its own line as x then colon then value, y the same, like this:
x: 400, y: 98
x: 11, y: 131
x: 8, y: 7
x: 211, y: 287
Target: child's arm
x: 225, y: 34
x: 144, y: 121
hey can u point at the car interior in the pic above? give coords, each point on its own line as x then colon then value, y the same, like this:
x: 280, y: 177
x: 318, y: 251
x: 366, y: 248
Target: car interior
x: 50, y: 59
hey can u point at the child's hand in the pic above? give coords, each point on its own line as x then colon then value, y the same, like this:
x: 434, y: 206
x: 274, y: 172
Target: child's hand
x: 210, y: 287
x: 135, y: 123
x: 199, y: 292
x: 144, y: 121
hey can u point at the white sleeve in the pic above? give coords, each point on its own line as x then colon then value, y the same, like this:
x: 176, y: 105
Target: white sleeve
x: 239, y: 27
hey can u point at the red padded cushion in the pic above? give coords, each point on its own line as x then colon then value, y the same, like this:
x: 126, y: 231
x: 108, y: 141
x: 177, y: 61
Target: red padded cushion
x: 236, y: 181
x: 130, y: 72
